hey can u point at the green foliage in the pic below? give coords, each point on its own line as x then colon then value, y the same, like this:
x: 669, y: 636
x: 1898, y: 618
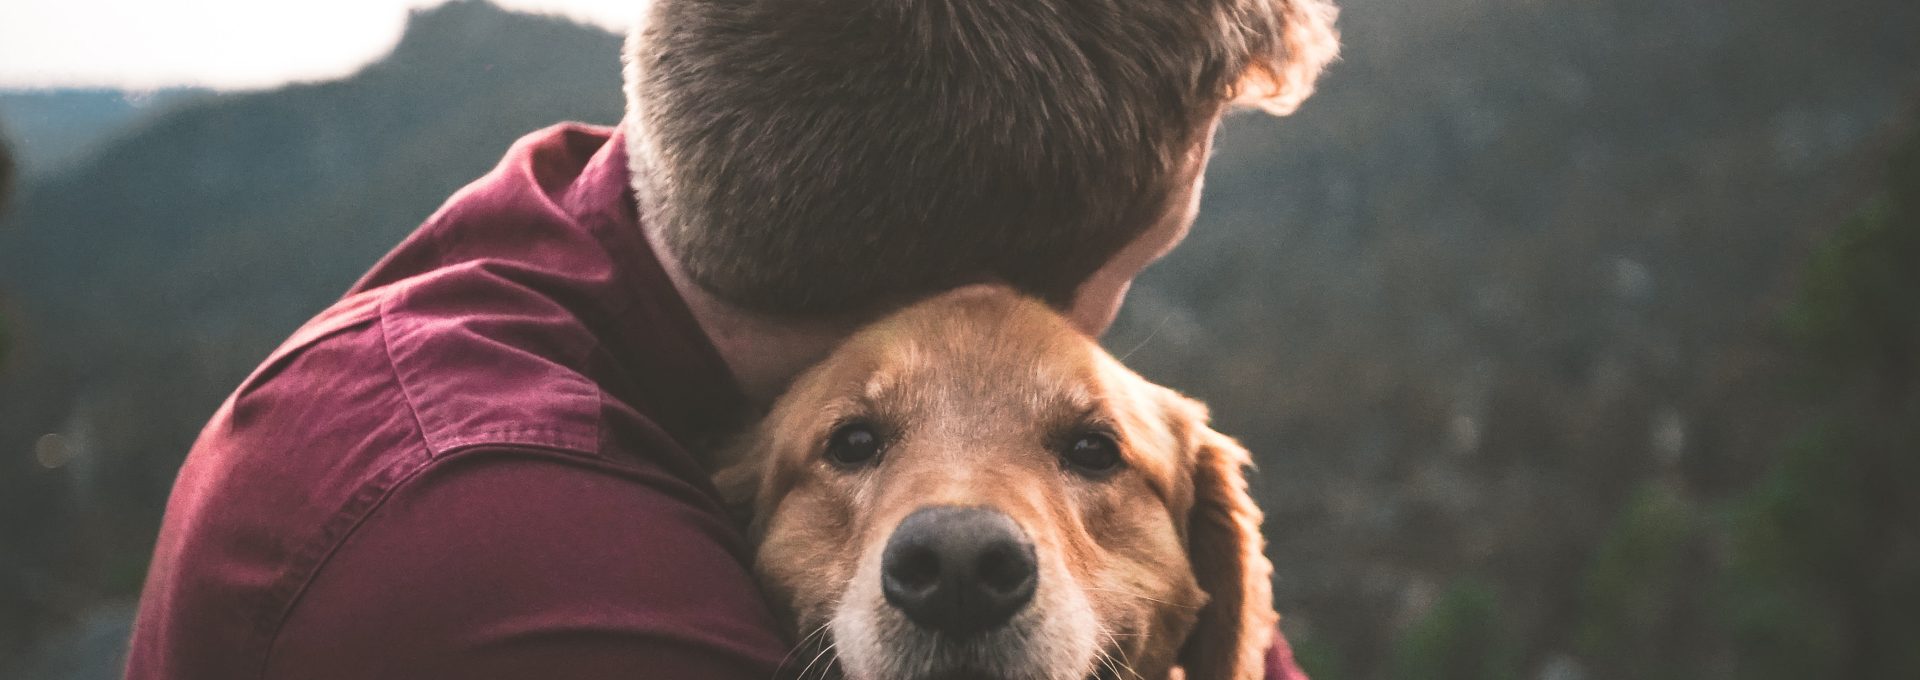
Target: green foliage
x: 1824, y: 570
x: 1858, y: 311
x: 1819, y: 569
x: 1793, y: 539
x: 1637, y: 585
x: 1823, y: 575
x: 6, y: 170
x: 1320, y: 659
x: 6, y: 188
x: 1461, y: 638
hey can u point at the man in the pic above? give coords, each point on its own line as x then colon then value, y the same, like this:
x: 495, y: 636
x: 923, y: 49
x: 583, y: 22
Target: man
x: 485, y: 460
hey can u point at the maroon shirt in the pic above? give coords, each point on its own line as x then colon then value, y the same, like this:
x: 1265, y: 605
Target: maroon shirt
x: 475, y: 465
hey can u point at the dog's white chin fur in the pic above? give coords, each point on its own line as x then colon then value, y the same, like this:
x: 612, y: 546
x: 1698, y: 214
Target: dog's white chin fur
x: 1056, y: 638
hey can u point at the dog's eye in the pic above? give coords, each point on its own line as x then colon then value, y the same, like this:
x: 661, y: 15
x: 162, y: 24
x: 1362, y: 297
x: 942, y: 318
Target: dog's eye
x: 853, y: 445
x: 1093, y: 452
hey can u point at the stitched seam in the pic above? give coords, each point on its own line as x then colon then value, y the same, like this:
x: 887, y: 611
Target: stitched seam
x: 304, y: 564
x: 343, y: 522
x: 376, y: 494
x: 400, y: 383
x: 564, y: 438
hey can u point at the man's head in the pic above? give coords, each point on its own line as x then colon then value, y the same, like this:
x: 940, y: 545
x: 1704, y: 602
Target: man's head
x: 840, y: 157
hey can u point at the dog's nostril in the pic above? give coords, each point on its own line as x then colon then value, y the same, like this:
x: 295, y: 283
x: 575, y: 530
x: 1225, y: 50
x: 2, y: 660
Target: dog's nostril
x: 917, y: 568
x: 1005, y: 568
x: 958, y: 570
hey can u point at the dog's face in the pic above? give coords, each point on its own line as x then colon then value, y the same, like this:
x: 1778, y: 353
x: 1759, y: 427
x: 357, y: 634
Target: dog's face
x: 972, y: 489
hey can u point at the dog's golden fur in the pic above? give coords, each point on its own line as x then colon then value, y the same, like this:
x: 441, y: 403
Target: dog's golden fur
x: 1153, y: 570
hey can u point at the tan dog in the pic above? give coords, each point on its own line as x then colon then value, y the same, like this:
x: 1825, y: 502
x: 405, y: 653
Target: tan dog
x: 973, y: 489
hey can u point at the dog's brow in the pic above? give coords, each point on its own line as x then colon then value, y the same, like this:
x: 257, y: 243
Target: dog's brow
x: 1072, y: 393
x: 1093, y: 413
x: 1088, y: 404
x: 841, y: 409
x: 877, y: 397
x: 875, y: 387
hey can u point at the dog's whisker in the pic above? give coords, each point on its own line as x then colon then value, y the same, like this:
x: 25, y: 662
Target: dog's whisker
x: 1128, y: 665
x: 802, y: 644
x: 1114, y: 665
x: 807, y: 641
x: 1149, y: 338
x: 1108, y: 667
x: 1130, y: 593
x: 828, y: 669
x: 1113, y: 643
x: 797, y: 648
x: 817, y: 632
x: 816, y: 659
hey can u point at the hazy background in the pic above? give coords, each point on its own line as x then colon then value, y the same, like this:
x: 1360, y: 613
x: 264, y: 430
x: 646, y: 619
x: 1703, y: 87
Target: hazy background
x: 1575, y: 340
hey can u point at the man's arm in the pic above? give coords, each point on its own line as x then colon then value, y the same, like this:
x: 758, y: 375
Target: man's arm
x: 510, y: 565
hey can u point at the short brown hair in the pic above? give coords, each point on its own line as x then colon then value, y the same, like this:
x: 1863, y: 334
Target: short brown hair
x: 841, y: 156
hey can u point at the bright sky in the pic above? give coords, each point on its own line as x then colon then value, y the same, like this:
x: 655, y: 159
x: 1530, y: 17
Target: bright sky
x: 144, y: 44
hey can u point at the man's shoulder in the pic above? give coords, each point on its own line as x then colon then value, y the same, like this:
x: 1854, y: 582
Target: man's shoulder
x: 526, y: 321
x: 438, y: 554
x: 418, y: 362
x: 522, y: 369
x: 482, y: 354
x: 377, y: 402
x: 383, y: 384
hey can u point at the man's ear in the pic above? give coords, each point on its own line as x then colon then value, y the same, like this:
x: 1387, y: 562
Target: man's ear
x: 1225, y: 547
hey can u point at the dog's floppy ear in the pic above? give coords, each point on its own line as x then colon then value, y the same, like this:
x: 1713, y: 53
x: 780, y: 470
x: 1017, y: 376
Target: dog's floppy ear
x: 1224, y: 545
x: 1298, y: 39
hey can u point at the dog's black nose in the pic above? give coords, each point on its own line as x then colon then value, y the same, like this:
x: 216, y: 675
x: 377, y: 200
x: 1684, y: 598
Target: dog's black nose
x: 958, y: 570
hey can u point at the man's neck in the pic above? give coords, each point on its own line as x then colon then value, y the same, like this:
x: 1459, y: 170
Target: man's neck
x: 763, y: 352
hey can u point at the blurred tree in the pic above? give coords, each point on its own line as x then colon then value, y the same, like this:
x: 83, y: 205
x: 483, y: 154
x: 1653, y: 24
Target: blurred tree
x: 6, y: 168
x: 5, y: 340
x: 6, y: 188
x: 1460, y: 638
x: 1320, y: 659
x: 12, y: 626
x: 1640, y: 588
x: 1823, y: 578
x: 1856, y: 315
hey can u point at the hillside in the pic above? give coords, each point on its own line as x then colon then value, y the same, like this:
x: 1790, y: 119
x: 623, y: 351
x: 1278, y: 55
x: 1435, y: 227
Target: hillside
x: 1511, y: 285
x: 144, y: 284
x: 1515, y: 261
x: 52, y: 130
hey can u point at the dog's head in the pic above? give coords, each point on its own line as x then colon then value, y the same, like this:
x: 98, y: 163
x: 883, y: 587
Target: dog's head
x: 973, y: 489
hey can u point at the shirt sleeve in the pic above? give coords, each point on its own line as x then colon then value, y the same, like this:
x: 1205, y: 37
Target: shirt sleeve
x: 517, y: 565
